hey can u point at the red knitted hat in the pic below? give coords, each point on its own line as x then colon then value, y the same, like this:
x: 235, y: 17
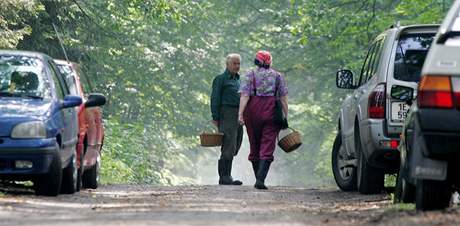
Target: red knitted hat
x: 264, y: 57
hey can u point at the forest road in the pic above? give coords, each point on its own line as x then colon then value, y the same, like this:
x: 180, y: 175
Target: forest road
x: 211, y: 205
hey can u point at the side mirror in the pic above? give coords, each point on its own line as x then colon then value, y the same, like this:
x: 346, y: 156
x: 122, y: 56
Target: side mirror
x: 95, y: 99
x: 344, y: 79
x: 402, y: 93
x: 71, y: 101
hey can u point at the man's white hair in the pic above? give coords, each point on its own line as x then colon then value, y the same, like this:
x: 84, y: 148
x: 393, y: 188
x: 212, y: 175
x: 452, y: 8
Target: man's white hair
x: 233, y: 56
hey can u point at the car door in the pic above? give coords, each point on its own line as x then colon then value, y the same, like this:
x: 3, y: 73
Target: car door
x: 69, y: 117
x: 351, y: 104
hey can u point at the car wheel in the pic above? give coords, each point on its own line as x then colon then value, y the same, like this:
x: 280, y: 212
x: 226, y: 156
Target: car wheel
x: 70, y: 177
x: 49, y: 184
x: 404, y: 191
x: 91, y: 176
x: 344, y: 175
x: 370, y: 179
x: 432, y: 195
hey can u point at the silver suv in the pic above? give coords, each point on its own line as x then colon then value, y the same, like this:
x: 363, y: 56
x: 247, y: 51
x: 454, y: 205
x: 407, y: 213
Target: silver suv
x: 370, y: 120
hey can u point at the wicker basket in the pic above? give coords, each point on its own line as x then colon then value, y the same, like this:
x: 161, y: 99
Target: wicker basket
x: 290, y: 142
x: 211, y: 139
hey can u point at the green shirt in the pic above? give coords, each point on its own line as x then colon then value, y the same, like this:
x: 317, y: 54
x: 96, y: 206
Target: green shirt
x: 224, y: 93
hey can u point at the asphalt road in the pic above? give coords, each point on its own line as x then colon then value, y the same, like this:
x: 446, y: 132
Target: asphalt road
x: 211, y: 205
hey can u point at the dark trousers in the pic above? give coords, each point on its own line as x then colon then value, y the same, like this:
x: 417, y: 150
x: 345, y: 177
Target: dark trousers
x: 233, y: 132
x: 262, y: 131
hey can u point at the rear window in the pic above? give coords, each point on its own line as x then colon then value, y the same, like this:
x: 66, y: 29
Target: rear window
x: 455, y: 41
x: 410, y: 55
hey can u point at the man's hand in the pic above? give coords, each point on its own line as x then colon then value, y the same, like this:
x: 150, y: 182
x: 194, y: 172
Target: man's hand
x: 216, y: 123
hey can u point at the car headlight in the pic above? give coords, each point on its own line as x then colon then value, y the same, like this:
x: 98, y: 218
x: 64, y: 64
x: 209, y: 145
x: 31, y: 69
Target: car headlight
x: 34, y: 129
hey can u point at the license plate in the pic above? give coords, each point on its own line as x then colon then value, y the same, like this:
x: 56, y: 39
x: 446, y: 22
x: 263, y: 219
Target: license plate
x: 430, y: 169
x: 399, y: 111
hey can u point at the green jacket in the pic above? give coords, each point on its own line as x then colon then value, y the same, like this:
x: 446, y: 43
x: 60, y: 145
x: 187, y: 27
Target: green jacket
x: 225, y: 89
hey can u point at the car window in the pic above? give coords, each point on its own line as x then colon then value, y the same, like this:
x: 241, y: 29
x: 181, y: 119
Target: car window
x: 455, y: 41
x: 375, y: 59
x: 23, y: 76
x: 410, y: 56
x: 366, y: 65
x: 85, y: 82
x: 61, y: 90
x: 68, y: 74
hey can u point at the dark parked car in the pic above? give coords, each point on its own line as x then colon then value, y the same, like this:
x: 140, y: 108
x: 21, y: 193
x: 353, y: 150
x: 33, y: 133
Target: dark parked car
x: 38, y: 132
x: 91, y: 128
x: 430, y: 142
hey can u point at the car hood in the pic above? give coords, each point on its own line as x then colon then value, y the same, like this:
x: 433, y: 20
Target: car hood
x: 17, y: 110
x: 20, y: 107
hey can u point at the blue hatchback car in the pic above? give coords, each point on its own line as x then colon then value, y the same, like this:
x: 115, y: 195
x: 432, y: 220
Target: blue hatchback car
x: 38, y: 123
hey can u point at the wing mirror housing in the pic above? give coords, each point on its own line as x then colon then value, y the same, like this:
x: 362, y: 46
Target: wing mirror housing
x: 71, y: 101
x: 95, y: 99
x: 402, y: 93
x: 344, y: 79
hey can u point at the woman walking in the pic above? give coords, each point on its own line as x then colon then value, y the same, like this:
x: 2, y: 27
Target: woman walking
x: 259, y: 90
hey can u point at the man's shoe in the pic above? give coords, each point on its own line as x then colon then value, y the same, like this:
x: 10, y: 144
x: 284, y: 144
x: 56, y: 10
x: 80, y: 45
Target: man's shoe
x: 225, y: 168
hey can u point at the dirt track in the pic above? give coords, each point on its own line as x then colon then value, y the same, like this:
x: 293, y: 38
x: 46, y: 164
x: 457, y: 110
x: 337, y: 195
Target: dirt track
x: 210, y: 205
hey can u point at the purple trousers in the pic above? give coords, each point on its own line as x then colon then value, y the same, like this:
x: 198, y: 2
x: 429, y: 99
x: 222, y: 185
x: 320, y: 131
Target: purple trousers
x: 262, y: 131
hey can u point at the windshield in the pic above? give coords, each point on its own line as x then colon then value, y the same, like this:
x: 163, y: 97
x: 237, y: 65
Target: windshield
x: 22, y: 76
x: 410, y: 56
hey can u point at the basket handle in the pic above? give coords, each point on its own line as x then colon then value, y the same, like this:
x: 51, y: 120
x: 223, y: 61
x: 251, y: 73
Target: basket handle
x: 207, y: 124
x: 278, y: 136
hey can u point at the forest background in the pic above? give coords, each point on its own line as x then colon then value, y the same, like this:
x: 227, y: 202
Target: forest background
x: 155, y: 61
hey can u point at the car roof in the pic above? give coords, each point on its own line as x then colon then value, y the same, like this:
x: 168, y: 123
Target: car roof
x: 25, y: 53
x: 65, y: 62
x: 418, y: 28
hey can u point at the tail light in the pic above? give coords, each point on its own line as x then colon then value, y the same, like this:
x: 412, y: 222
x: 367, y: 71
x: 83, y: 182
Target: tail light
x: 376, y: 103
x: 435, y: 92
x: 456, y: 88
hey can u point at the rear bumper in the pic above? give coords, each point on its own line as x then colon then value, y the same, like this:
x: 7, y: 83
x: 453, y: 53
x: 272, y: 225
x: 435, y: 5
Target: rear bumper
x: 440, y: 129
x: 375, y: 144
x: 40, y: 157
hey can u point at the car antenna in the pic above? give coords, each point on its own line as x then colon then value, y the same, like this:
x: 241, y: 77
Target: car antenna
x: 60, y: 42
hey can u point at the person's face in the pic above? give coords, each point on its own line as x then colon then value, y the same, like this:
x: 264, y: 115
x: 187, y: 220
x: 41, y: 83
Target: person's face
x: 233, y: 65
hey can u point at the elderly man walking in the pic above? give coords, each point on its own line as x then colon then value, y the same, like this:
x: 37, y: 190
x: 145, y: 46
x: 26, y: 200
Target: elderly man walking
x: 225, y: 101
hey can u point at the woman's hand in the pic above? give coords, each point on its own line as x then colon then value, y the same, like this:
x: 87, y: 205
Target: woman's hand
x: 241, y: 119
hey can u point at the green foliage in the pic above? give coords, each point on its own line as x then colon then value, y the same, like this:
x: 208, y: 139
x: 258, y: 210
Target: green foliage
x: 155, y: 61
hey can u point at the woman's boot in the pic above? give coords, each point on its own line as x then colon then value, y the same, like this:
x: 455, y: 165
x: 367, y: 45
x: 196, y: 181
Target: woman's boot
x: 264, y: 166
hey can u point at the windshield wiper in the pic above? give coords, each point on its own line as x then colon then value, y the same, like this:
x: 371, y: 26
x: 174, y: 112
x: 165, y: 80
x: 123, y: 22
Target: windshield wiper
x: 444, y: 36
x: 8, y: 94
x: 33, y: 96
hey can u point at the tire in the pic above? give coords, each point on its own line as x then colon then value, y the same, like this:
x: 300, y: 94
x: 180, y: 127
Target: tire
x: 70, y: 177
x: 91, y: 176
x: 404, y: 191
x: 345, y: 177
x: 432, y: 195
x: 49, y: 184
x: 370, y: 179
